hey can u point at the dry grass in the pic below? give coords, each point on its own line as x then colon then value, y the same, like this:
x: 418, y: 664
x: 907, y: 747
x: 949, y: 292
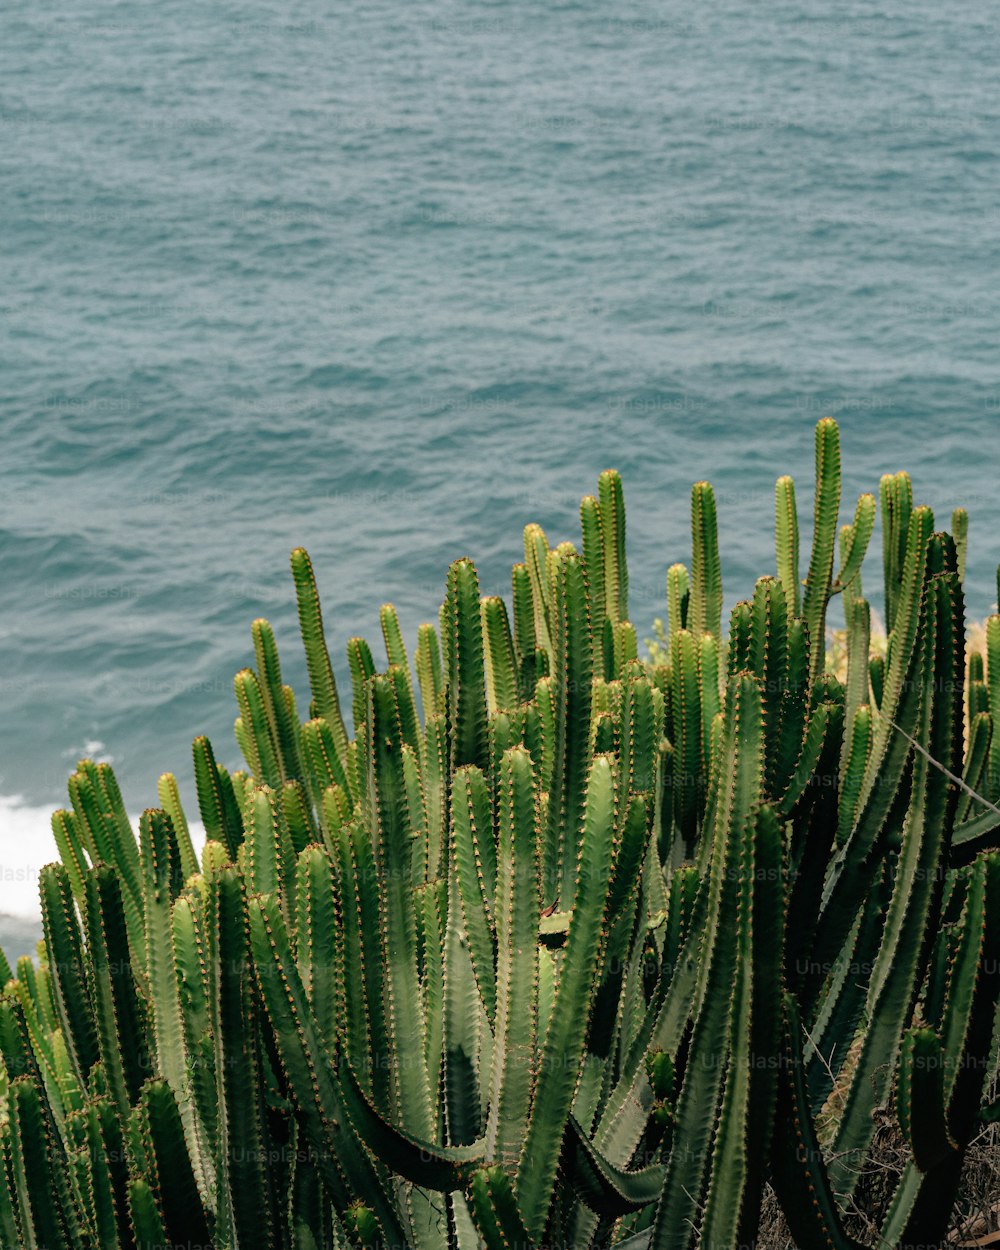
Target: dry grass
x: 976, y: 1219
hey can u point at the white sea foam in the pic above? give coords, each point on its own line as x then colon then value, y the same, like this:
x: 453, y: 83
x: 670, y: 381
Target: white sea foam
x: 27, y: 844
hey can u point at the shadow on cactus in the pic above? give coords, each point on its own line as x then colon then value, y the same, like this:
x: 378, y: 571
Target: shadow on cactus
x: 559, y: 948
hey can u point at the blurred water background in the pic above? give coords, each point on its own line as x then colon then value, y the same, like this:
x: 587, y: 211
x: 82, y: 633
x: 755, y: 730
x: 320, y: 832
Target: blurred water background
x: 392, y: 279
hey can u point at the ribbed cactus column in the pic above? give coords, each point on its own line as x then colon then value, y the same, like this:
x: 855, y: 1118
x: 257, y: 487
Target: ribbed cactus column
x: 557, y: 947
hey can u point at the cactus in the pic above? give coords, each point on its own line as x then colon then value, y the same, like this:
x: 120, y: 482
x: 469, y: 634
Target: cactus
x: 557, y: 947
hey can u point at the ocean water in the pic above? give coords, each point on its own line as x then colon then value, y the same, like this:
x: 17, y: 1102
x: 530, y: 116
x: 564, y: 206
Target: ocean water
x: 390, y: 280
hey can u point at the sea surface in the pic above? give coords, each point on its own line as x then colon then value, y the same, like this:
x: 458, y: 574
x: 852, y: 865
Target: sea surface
x: 391, y: 279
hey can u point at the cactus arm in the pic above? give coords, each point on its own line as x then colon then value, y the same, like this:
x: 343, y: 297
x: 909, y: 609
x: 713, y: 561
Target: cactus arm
x: 827, y: 505
x: 147, y: 1223
x: 443, y: 1169
x: 414, y: 814
x: 321, y: 1080
x: 298, y: 816
x: 847, y: 879
x: 960, y: 532
x: 974, y: 772
x: 921, y: 1204
x: 562, y: 1049
x: 269, y: 850
x: 495, y: 1211
x: 475, y: 863
x: 525, y: 641
x: 606, y: 1189
x: 798, y: 1173
x: 973, y: 989
x: 462, y: 1032
x: 680, y: 981
x: 924, y: 1198
x: 179, y: 1200
x: 42, y: 1044
x: 920, y: 1100
x: 738, y: 643
x: 66, y: 954
x: 786, y: 527
x: 855, y: 756
x: 427, y: 662
x: 321, y: 678
x: 640, y: 732
x: 688, y: 763
x: 976, y: 690
x: 363, y: 953
x: 517, y: 909
x: 638, y: 1241
x: 709, y: 678
x: 392, y: 636
x: 73, y: 856
x: 739, y: 790
x: 325, y: 767
x: 896, y: 501
x: 696, y: 1110
x: 536, y: 554
x: 284, y: 725
x: 406, y: 708
x: 397, y: 918
x: 193, y: 996
x: 540, y: 734
x: 160, y: 867
x: 979, y: 833
x: 593, y: 556
x: 104, y: 1181
x: 120, y: 1023
x: 612, y: 510
x: 354, y: 1026
x: 109, y: 838
x: 824, y: 722
x: 123, y: 839
x: 92, y: 821
x: 993, y: 694
x: 9, y: 1233
x: 705, y: 605
x: 319, y: 939
x: 155, y: 838
x: 926, y: 1193
x: 435, y: 769
x: 345, y: 1167
x: 501, y: 667
x: 859, y: 535
x: 361, y: 667
x: 678, y: 598
x: 41, y: 1217
x: 572, y: 686
x: 857, y: 615
x: 631, y: 853
x: 466, y: 677
x: 432, y: 905
x: 896, y: 968
x: 838, y: 1012
x: 219, y: 811
x: 257, y: 742
x: 243, y: 1175
x: 170, y: 801
x: 744, y: 1135
x: 769, y: 660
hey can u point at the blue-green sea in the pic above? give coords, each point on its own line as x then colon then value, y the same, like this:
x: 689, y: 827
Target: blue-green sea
x: 392, y: 279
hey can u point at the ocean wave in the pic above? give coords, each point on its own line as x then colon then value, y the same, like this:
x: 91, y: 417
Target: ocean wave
x: 26, y: 846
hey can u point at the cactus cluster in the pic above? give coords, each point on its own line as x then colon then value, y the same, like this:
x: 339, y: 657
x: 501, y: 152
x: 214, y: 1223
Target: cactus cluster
x: 560, y: 948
